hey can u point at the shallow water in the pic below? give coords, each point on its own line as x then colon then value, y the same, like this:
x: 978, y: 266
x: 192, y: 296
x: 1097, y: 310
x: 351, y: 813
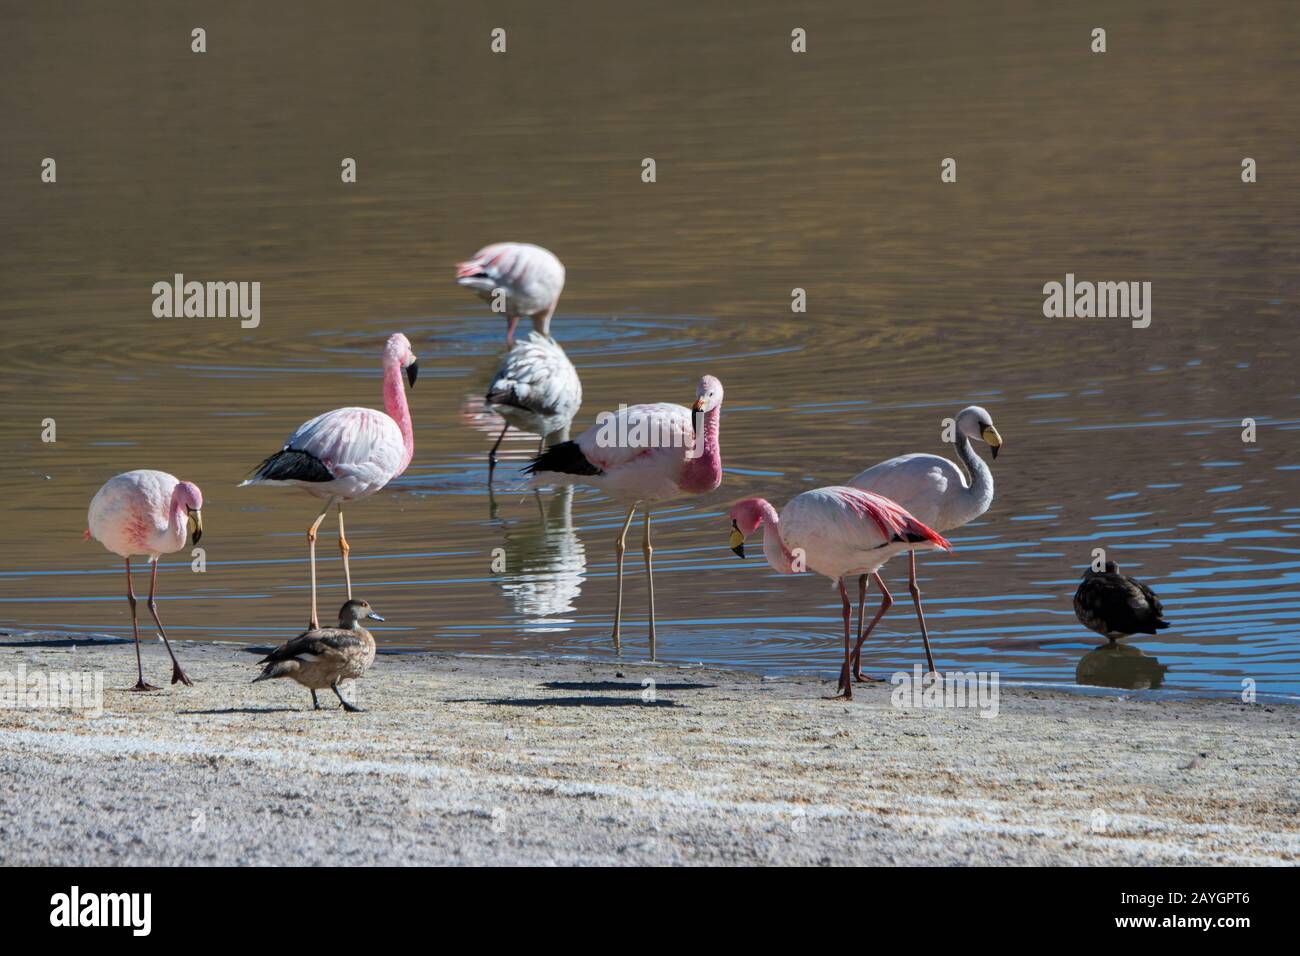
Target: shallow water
x: 774, y: 172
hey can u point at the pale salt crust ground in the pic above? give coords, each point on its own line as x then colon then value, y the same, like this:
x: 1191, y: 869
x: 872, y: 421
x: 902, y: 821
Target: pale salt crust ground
x: 510, y: 761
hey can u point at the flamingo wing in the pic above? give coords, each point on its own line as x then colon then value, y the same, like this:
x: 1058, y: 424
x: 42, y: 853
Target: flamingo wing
x: 360, y: 446
x: 530, y: 275
x: 536, y: 377
x: 661, y: 429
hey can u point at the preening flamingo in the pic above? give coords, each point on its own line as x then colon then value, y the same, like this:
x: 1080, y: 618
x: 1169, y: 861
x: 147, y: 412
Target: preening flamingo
x: 349, y: 453
x: 1115, y: 605
x: 535, y: 388
x: 938, y: 494
x: 150, y: 513
x: 835, y: 531
x: 322, y: 657
x: 643, y: 454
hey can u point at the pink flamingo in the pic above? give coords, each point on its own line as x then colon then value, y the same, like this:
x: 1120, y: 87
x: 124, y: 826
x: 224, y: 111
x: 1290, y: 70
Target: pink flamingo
x: 530, y: 277
x: 150, y: 513
x: 535, y: 388
x: 349, y: 453
x: 836, y: 531
x: 640, y: 455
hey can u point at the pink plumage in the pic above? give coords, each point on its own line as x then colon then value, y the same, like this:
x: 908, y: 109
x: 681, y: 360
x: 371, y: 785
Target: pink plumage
x: 530, y: 278
x: 838, y: 532
x: 349, y: 453
x: 642, y: 454
x: 146, y: 513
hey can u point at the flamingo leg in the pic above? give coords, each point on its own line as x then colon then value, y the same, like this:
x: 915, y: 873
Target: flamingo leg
x: 492, y: 455
x: 345, y: 549
x: 920, y: 615
x: 886, y: 602
x: 311, y: 546
x: 619, y: 547
x: 650, y: 579
x: 541, y: 444
x: 846, y: 685
x: 178, y: 672
x: 135, y: 627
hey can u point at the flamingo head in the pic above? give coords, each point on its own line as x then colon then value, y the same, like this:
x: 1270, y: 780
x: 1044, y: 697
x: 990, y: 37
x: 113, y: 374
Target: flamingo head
x: 708, y: 395
x: 397, y: 352
x: 746, y: 516
x: 187, y: 496
x: 976, y: 423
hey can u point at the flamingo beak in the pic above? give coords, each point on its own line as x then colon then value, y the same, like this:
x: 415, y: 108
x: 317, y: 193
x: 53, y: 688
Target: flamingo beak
x: 737, y: 542
x: 990, y: 435
x: 412, y: 372
x: 196, y: 529
x: 698, y: 406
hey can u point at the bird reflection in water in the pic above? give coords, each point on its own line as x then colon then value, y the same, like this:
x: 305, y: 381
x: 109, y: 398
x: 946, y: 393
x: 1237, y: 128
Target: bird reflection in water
x: 1120, y: 665
x: 545, y: 562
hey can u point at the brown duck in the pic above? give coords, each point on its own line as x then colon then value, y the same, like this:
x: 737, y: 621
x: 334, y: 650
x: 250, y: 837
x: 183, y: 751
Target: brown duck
x: 323, y: 656
x: 1116, y: 606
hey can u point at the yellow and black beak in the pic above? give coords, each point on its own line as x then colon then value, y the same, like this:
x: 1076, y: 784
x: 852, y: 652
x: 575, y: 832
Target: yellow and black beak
x: 412, y: 372
x: 737, y: 542
x: 196, y: 525
x: 990, y: 435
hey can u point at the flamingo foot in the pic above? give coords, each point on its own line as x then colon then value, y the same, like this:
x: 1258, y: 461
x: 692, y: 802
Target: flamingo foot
x: 141, y: 685
x: 862, y: 678
x: 846, y: 694
x: 180, y: 677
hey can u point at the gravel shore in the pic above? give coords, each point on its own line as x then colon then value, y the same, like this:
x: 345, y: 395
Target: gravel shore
x: 479, y: 760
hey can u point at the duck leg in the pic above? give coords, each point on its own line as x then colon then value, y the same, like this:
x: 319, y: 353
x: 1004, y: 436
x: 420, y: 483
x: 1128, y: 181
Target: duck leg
x: 315, y: 704
x: 135, y: 627
x: 886, y: 602
x: 492, y: 455
x: 178, y: 673
x: 620, y: 545
x: 311, y: 546
x: 846, y: 684
x: 920, y: 615
x: 345, y: 549
x: 650, y: 579
x: 350, y: 708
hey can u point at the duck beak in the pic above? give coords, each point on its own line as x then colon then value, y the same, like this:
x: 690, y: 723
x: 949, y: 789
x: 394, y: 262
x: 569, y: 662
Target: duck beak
x: 737, y: 542
x: 374, y: 617
x: 412, y: 372
x: 990, y: 435
x: 196, y: 528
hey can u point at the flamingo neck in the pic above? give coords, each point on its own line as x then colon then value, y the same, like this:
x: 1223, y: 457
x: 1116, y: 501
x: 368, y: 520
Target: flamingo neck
x: 395, y: 406
x: 774, y: 549
x: 180, y: 517
x: 979, y: 491
x: 704, y: 472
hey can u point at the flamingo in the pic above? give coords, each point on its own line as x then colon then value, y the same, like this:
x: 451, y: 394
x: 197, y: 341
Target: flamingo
x: 535, y: 388
x: 641, y: 455
x: 835, y: 531
x: 150, y: 513
x: 1115, y: 605
x: 349, y: 453
x: 936, y: 491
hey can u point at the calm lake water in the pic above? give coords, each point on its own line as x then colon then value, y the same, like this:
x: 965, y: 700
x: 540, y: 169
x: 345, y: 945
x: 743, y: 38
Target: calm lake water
x: 775, y: 171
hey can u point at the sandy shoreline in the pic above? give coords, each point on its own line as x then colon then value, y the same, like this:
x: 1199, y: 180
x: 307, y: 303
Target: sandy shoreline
x: 505, y: 760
